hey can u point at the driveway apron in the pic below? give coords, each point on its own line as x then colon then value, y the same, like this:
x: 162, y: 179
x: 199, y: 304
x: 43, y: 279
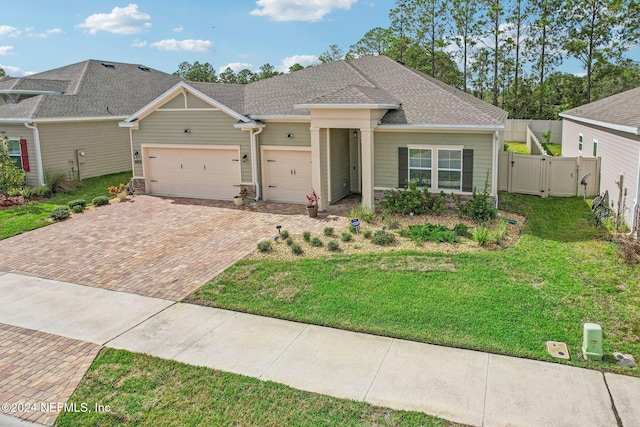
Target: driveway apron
x: 149, y: 246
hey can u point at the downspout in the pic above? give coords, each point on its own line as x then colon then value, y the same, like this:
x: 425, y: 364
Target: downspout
x: 254, y: 161
x: 36, y: 142
x: 634, y: 215
x: 494, y: 178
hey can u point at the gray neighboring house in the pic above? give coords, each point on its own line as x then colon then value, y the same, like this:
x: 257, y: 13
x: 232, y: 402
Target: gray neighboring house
x: 359, y: 126
x: 610, y: 129
x: 66, y: 120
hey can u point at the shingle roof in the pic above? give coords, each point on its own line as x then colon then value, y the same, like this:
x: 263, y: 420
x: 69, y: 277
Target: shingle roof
x: 354, y: 95
x: 424, y: 100
x: 621, y: 109
x: 90, y: 89
x: 231, y: 95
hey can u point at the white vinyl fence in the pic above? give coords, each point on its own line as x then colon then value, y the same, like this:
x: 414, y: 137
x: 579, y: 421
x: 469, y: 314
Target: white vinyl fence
x: 516, y: 130
x: 548, y: 176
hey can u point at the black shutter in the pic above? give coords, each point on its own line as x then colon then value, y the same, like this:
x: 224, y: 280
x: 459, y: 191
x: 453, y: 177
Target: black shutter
x: 467, y: 170
x: 403, y: 166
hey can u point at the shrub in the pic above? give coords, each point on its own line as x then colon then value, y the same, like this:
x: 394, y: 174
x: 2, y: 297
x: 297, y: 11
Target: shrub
x: 333, y: 246
x: 316, y: 242
x: 462, y: 230
x: 429, y: 232
x: 59, y: 213
x: 289, y: 241
x: 328, y: 231
x: 264, y: 245
x: 100, y: 201
x: 58, y: 182
x: 382, y: 238
x: 498, y: 234
x: 392, y: 224
x: 361, y: 212
x: 284, y: 234
x: 479, y: 207
x: 43, y: 190
x: 367, y: 234
x: 481, y: 235
x: 306, y: 236
x: 78, y: 202
x: 345, y: 237
x: 77, y: 209
x: 296, y: 249
x: 11, y: 176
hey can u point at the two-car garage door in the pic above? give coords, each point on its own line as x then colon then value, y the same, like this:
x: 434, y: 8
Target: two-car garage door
x: 193, y: 172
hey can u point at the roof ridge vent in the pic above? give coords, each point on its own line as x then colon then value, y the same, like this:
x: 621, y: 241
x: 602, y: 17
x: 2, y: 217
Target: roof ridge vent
x: 143, y: 68
x: 108, y: 65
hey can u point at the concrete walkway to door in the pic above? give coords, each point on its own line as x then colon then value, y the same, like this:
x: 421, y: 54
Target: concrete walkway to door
x: 157, y: 247
x: 469, y: 387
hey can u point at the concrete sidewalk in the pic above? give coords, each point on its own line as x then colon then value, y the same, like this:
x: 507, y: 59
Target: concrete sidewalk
x: 464, y: 386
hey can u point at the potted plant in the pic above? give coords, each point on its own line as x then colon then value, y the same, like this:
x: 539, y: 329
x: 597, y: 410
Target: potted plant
x: 239, y: 199
x: 120, y: 191
x: 312, y: 204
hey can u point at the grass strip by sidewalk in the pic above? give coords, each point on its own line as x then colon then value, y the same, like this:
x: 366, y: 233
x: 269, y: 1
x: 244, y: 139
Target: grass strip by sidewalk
x: 142, y: 390
x: 562, y: 273
x: 18, y: 219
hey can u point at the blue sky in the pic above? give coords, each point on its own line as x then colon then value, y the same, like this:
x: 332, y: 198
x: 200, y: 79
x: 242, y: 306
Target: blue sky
x: 41, y: 35
x: 37, y: 36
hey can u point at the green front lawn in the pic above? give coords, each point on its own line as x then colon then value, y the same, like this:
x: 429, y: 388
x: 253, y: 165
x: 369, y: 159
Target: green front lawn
x: 553, y: 149
x: 562, y: 273
x: 141, y: 390
x: 18, y: 219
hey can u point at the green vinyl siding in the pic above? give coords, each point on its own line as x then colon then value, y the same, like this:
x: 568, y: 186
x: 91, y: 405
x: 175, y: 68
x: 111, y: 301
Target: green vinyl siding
x: 206, y: 128
x: 195, y: 102
x: 386, y: 153
x: 276, y: 134
x: 175, y: 102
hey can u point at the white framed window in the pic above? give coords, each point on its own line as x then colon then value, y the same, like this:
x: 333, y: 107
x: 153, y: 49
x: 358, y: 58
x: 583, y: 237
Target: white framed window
x: 580, y: 143
x: 595, y: 147
x: 449, y: 169
x: 436, y: 168
x: 421, y: 166
x: 14, y: 151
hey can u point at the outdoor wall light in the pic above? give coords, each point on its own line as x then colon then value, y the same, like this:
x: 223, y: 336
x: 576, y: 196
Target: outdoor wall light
x: 187, y: 130
x: 244, y: 158
x: 135, y: 155
x: 289, y: 135
x: 355, y: 134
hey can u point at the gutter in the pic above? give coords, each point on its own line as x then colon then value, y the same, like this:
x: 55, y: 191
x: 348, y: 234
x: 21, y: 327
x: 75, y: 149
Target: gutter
x: 494, y: 178
x: 622, y: 128
x: 443, y: 127
x: 36, y: 141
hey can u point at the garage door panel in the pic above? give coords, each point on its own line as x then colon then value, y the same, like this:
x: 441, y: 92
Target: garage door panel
x: 287, y: 175
x: 194, y: 172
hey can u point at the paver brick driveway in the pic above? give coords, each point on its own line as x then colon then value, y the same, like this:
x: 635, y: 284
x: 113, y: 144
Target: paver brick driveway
x: 149, y: 246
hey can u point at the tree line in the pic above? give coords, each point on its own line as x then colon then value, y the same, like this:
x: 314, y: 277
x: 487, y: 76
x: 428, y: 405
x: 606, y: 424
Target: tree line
x: 506, y: 52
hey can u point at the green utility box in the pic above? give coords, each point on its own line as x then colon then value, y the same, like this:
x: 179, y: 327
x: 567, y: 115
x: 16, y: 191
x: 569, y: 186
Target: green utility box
x: 592, y: 342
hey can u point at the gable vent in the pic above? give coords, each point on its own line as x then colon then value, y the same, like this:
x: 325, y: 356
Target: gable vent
x: 143, y: 68
x: 108, y: 65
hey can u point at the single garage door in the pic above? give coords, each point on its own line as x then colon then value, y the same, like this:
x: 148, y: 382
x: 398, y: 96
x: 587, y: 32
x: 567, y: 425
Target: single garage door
x: 287, y: 175
x: 193, y: 172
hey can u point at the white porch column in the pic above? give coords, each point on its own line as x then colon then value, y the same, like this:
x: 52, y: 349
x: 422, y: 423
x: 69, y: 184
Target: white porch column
x: 316, y: 167
x: 366, y: 139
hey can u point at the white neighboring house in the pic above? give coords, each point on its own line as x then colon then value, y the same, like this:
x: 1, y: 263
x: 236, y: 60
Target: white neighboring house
x: 610, y: 129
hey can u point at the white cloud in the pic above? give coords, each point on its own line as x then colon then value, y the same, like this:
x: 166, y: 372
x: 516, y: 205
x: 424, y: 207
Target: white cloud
x: 178, y: 29
x: 299, y: 10
x: 5, y: 50
x: 9, y: 31
x: 189, y: 45
x: 139, y: 43
x: 15, y: 71
x: 236, y: 66
x: 303, y: 60
x: 580, y: 74
x: 47, y: 33
x: 121, y: 20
